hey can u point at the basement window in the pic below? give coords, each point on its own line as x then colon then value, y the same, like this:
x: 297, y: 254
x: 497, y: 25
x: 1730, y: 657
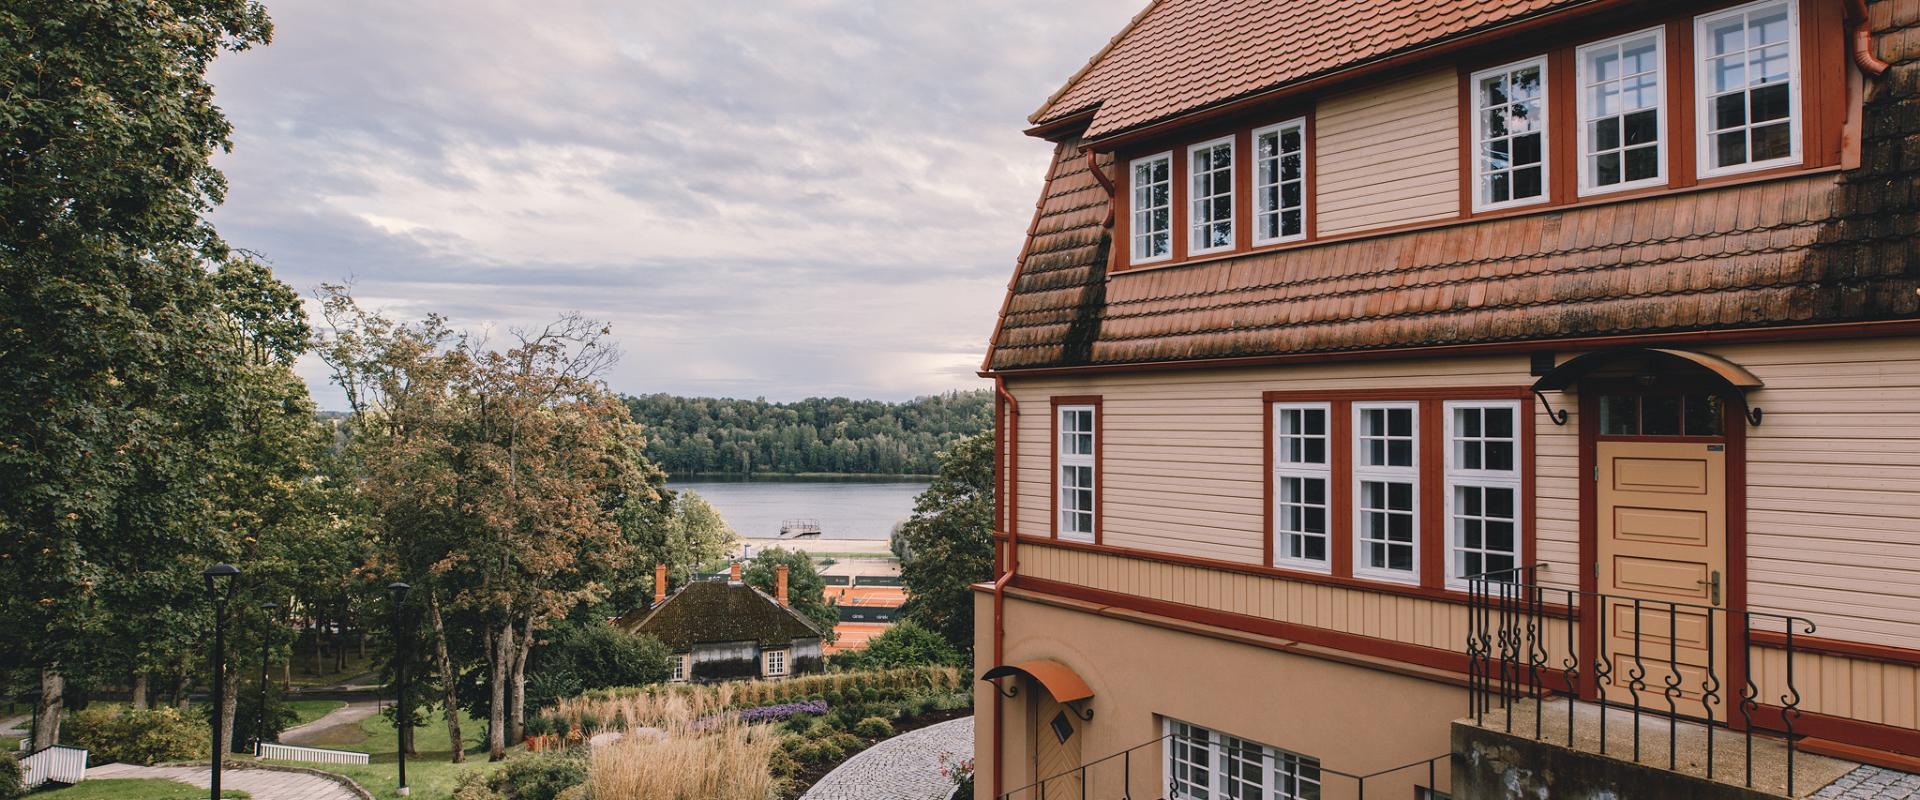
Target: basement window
x: 1210, y: 765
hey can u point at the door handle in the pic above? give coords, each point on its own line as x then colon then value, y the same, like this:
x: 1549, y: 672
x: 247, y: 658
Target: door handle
x: 1713, y: 586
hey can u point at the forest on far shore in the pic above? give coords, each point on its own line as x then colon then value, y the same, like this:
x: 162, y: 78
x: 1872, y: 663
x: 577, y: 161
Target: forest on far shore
x: 724, y: 436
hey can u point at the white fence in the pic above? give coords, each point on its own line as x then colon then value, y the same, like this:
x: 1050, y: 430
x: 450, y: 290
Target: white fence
x: 59, y: 764
x: 317, y: 755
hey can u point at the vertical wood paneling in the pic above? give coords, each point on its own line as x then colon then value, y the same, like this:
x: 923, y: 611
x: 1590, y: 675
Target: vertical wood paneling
x: 1388, y: 155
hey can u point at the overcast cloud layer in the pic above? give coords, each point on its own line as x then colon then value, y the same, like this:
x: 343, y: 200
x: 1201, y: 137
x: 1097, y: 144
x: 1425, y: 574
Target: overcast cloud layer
x: 778, y: 199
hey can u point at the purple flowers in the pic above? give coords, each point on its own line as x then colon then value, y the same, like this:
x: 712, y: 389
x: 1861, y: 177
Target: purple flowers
x: 782, y: 711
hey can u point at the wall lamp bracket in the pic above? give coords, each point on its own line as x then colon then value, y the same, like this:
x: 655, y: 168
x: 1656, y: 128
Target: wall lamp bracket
x: 1753, y: 416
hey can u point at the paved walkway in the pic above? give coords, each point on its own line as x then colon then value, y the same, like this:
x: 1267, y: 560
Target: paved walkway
x: 905, y: 767
x: 262, y: 784
x: 1873, y: 783
x: 349, y: 714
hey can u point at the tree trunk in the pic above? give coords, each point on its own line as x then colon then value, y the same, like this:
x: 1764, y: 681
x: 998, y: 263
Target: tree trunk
x: 339, y: 641
x: 183, y: 691
x: 229, y: 706
x: 140, y: 692
x: 319, y: 658
x: 452, y: 701
x: 46, y: 720
x: 517, y: 729
x: 500, y: 649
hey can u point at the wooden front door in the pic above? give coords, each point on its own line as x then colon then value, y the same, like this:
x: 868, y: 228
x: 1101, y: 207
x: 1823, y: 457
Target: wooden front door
x: 1662, y: 540
x: 1056, y: 752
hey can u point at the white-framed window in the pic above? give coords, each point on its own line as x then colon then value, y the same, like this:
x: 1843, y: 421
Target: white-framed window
x: 776, y: 663
x: 680, y: 666
x: 1623, y: 117
x: 1510, y: 135
x: 1152, y: 228
x: 1386, y: 491
x: 1482, y: 488
x: 1280, y: 182
x: 1076, y: 425
x: 1204, y: 764
x: 1748, y: 82
x: 1210, y: 196
x: 1302, y: 485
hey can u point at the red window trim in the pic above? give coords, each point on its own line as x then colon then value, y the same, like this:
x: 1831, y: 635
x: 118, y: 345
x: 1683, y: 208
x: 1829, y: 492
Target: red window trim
x: 1432, y: 479
x: 1099, y: 460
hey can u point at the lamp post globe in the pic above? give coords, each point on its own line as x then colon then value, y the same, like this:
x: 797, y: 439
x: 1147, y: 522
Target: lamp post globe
x: 220, y: 580
x: 402, y: 719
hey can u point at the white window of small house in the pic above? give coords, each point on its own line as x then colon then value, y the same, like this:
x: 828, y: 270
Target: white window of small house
x: 776, y: 662
x: 1748, y: 83
x: 1210, y: 175
x: 1280, y: 182
x: 1483, y: 490
x: 1152, y: 228
x: 1386, y: 471
x: 1510, y: 135
x: 680, y: 666
x: 1623, y: 125
x: 1301, y: 485
x: 1076, y: 456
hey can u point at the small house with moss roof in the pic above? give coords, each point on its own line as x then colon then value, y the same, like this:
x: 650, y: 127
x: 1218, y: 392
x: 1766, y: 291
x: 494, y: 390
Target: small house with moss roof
x: 726, y: 630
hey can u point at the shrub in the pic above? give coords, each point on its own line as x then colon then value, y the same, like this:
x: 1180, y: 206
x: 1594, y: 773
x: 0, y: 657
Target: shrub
x: 904, y: 645
x: 473, y: 786
x: 873, y: 728
x: 12, y: 785
x: 137, y: 737
x: 578, y: 656
x: 540, y: 777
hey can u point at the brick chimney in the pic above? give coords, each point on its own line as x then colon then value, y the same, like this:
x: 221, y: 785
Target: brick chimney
x: 734, y: 578
x: 780, y: 584
x: 659, y: 583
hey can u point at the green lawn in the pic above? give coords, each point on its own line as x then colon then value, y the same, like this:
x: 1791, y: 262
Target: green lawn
x: 306, y: 711
x: 429, y: 773
x: 303, y: 677
x: 123, y: 789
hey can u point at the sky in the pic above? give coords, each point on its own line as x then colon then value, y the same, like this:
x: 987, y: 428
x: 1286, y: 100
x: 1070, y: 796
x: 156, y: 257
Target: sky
x: 763, y: 199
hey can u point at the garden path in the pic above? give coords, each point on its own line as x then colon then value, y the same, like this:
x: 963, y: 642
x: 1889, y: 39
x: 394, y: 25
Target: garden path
x: 350, y: 714
x: 905, y: 767
x: 261, y: 784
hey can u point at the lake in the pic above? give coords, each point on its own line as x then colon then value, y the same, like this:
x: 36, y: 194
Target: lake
x: 847, y: 508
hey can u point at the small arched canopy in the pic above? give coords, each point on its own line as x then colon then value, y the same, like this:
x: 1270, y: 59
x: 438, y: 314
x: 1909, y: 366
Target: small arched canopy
x: 1061, y: 681
x: 1720, y: 370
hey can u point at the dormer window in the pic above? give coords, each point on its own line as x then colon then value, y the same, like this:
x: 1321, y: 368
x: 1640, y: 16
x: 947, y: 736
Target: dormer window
x: 1510, y: 135
x: 1210, y: 165
x: 1153, y: 208
x: 1748, y: 83
x: 1623, y: 125
x: 1280, y: 182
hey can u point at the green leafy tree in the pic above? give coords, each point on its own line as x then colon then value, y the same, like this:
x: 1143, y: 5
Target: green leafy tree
x: 906, y: 644
x: 948, y: 541
x: 806, y: 590
x: 692, y: 435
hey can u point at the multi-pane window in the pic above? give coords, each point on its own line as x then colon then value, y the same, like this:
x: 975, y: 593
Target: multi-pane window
x: 1301, y: 475
x: 1280, y: 182
x: 679, y: 667
x: 1210, y: 193
x: 776, y: 662
x: 1510, y: 134
x: 1747, y: 88
x: 1209, y: 765
x: 1152, y: 228
x: 1076, y: 445
x: 1483, y: 489
x: 1622, y: 125
x: 1386, y: 476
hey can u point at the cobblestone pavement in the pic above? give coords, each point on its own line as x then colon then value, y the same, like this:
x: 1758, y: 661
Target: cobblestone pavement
x: 1873, y: 783
x: 905, y: 767
x: 262, y: 784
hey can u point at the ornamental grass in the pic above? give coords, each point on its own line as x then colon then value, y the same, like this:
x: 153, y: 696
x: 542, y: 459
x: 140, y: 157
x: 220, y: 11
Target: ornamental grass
x: 724, y: 762
x: 674, y: 707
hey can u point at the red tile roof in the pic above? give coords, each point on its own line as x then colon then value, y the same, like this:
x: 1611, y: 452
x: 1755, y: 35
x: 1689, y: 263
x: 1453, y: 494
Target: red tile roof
x: 1181, y: 55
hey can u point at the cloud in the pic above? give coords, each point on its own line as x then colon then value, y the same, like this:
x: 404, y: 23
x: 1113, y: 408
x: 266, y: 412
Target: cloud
x: 764, y: 199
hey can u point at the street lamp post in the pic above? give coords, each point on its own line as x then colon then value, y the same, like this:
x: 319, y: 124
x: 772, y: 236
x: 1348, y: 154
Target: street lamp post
x: 220, y: 579
x: 260, y: 714
x: 403, y: 723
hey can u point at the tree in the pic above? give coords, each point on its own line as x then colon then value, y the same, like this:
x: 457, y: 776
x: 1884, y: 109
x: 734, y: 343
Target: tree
x: 949, y: 541
x: 906, y: 644
x: 113, y: 349
x: 678, y: 529
x: 806, y: 590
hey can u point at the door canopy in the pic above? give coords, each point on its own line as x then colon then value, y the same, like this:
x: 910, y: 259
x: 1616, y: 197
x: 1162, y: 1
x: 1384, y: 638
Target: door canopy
x: 1060, y: 680
x: 1718, y: 370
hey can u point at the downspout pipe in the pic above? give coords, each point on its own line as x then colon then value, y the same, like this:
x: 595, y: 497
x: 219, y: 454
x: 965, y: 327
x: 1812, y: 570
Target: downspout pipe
x: 1093, y: 165
x: 1863, y: 57
x: 1010, y: 505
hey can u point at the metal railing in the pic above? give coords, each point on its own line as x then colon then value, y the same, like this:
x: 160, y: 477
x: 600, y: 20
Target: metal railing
x: 1113, y: 777
x: 56, y: 764
x: 315, y: 755
x: 1524, y: 644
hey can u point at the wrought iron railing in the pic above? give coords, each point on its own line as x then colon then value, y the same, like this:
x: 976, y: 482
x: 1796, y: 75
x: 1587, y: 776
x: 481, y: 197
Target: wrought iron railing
x: 1113, y: 777
x: 1524, y: 647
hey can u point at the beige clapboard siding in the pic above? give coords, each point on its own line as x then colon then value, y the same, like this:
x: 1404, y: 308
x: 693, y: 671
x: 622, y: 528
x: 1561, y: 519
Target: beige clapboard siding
x: 1870, y: 691
x: 1833, y: 485
x: 1388, y: 155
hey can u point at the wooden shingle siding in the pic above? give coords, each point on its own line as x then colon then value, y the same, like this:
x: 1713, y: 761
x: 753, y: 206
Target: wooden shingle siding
x: 1389, y: 155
